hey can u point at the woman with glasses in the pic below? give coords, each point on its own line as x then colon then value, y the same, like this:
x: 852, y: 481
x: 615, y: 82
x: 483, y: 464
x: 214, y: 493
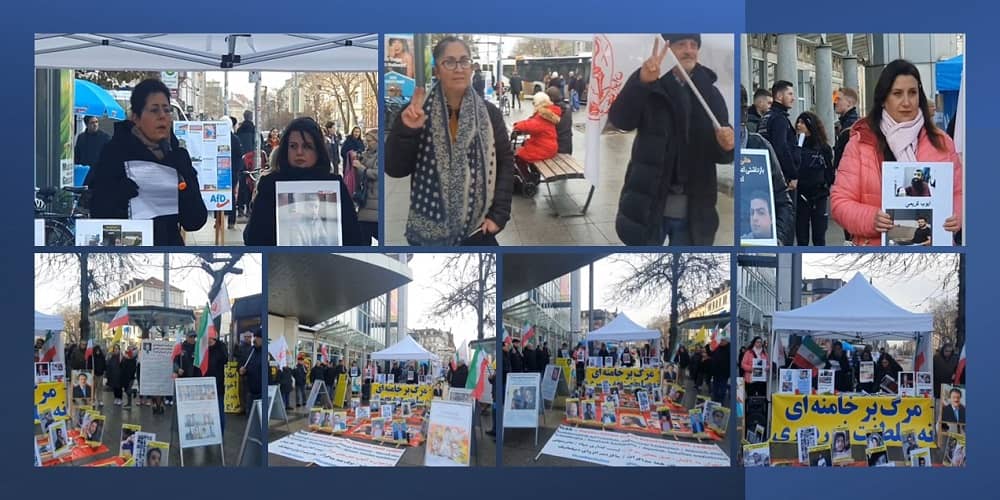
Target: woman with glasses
x: 455, y: 147
x: 147, y: 136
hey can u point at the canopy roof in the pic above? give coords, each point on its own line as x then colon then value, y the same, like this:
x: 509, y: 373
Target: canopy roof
x: 404, y: 350
x: 45, y: 322
x: 208, y: 52
x: 622, y: 329
x: 948, y: 74
x: 856, y: 310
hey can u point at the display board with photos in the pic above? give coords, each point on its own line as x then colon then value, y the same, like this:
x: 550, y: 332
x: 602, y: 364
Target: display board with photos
x: 308, y: 213
x: 209, y: 143
x: 198, y: 419
x: 522, y: 401
x: 757, y: 221
x: 919, y: 197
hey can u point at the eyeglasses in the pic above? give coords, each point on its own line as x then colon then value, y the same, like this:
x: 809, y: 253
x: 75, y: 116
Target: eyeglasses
x: 453, y: 64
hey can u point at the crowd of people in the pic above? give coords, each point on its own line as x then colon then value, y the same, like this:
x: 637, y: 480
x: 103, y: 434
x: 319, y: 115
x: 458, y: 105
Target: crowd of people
x: 303, y: 150
x: 814, y: 180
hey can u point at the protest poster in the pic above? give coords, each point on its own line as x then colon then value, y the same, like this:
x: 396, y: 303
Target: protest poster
x: 756, y: 216
x: 820, y: 456
x: 522, y: 401
x: 231, y: 398
x: 758, y: 372
x: 918, y: 196
x: 449, y: 434
x: 803, y: 381
x: 786, y: 381
x: 82, y: 391
x: 907, y: 384
x: 209, y: 145
x: 156, y: 368
x: 626, y: 376
x: 59, y: 442
x: 824, y: 384
x: 157, y: 454
x: 93, y: 433
x: 877, y: 457
x: 925, y: 385
x: 921, y: 457
x: 141, y: 448
x: 114, y: 232
x: 889, y: 384
x: 951, y: 414
x: 350, y: 453
x: 572, y: 408
x: 954, y: 450
x: 127, y: 439
x: 422, y: 393
x: 757, y: 455
x: 308, y: 213
x: 198, y: 422
x: 42, y: 374
x: 550, y: 382
x: 340, y: 392
x: 806, y: 437
x: 400, y: 69
x: 841, y: 448
x: 867, y: 372
x: 718, y: 420
x: 460, y: 395
x: 57, y: 371
x: 828, y: 412
x: 629, y: 450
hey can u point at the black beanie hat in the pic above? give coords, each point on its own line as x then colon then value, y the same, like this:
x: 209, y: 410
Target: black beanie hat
x: 676, y: 37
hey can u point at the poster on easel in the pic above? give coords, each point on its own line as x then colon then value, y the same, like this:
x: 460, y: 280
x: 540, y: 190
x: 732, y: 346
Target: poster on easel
x: 521, y: 405
x: 340, y: 394
x: 50, y: 403
x: 449, y: 434
x: 156, y: 368
x: 231, y: 398
x: 319, y: 393
x: 550, y: 382
x: 198, y: 420
x: 210, y: 147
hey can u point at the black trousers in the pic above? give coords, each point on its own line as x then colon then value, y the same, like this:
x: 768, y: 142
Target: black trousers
x: 811, y: 216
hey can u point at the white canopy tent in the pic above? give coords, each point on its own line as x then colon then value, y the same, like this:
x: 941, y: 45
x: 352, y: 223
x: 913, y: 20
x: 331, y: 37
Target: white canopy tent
x: 858, y: 311
x: 404, y: 350
x: 208, y: 52
x: 622, y: 329
x: 47, y: 322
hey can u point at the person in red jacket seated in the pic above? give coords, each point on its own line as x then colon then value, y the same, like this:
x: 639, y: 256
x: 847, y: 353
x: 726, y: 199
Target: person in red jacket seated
x: 543, y: 143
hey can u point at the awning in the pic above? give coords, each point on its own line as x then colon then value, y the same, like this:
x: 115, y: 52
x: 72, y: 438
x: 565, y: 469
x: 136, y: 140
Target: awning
x: 948, y: 74
x: 91, y: 99
x: 208, y: 52
x: 622, y: 329
x: 404, y: 350
x: 524, y: 271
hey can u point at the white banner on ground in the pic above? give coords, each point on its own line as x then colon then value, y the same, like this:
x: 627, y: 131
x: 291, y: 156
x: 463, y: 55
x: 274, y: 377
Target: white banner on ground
x: 522, y: 401
x: 449, y: 434
x: 329, y: 451
x: 629, y: 450
x: 198, y: 421
x: 156, y: 368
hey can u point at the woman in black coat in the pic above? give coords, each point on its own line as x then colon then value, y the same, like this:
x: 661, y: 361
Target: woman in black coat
x: 128, y: 371
x: 301, y: 156
x: 354, y: 143
x: 114, y: 372
x: 147, y: 137
x: 455, y: 148
x: 886, y: 366
x: 815, y: 178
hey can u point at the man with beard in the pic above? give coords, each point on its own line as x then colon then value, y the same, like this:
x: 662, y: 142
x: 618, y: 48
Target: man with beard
x: 918, y: 186
x: 671, y: 183
x: 921, y: 235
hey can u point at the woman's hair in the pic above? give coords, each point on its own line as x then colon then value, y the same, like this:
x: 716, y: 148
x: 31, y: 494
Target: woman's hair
x: 541, y: 99
x: 815, y: 126
x: 443, y: 44
x: 895, y: 69
x: 356, y: 129
x: 308, y: 128
x: 141, y: 93
x: 755, y: 339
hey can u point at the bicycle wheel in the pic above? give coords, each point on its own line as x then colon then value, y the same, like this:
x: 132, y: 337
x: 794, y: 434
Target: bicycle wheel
x: 58, y: 234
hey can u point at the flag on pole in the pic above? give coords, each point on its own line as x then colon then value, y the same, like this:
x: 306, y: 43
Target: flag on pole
x: 777, y: 351
x: 52, y: 348
x: 920, y: 356
x: 90, y: 349
x: 614, y: 59
x: 715, y: 339
x: 527, y: 333
x: 477, y: 374
x: 961, y: 367
x: 279, y: 349
x: 810, y: 355
x: 507, y: 339
x: 120, y: 319
x: 206, y: 329
x: 220, y: 304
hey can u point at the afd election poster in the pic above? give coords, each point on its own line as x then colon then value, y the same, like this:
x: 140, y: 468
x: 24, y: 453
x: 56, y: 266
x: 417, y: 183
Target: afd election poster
x: 895, y: 416
x: 210, y: 147
x: 449, y: 434
x: 757, y: 221
x: 400, y: 68
x: 918, y: 197
x: 156, y: 368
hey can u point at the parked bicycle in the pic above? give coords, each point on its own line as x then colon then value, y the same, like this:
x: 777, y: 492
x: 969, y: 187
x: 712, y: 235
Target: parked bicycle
x: 60, y: 227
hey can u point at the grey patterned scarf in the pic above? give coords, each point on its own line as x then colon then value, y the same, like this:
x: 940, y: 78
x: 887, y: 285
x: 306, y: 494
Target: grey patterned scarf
x: 452, y: 186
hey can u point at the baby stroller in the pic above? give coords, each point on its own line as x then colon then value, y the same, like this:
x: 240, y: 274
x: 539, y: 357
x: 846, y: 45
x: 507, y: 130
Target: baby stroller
x: 526, y: 176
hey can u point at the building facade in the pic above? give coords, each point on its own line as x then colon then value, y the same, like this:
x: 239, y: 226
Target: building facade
x: 546, y: 308
x: 147, y: 292
x: 439, y: 342
x: 817, y: 288
x: 756, y: 301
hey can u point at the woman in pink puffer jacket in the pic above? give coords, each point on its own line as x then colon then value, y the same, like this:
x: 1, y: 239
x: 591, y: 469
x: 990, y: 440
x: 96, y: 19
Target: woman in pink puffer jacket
x: 898, y: 128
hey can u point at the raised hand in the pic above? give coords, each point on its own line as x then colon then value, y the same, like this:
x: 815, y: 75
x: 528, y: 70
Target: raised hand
x: 650, y: 70
x: 413, y: 116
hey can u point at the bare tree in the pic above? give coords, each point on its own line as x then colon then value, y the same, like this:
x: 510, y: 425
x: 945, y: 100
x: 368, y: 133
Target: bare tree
x: 217, y: 266
x: 101, y: 276
x: 544, y: 48
x: 114, y: 79
x: 902, y: 267
x: 683, y: 279
x: 470, y: 284
x: 71, y: 321
x: 945, y: 313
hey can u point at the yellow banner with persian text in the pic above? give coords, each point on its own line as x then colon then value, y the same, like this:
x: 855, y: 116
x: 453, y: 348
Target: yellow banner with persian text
x: 627, y: 376
x: 50, y: 401
x: 422, y: 392
x: 892, y: 415
x: 231, y: 398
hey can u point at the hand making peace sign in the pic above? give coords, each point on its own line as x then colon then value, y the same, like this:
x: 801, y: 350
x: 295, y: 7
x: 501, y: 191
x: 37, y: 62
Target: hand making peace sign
x: 650, y: 70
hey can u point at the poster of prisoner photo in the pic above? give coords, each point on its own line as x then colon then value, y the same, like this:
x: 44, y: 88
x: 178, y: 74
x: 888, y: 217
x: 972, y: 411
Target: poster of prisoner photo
x: 198, y: 412
x: 156, y: 368
x: 308, y: 213
x: 449, y: 434
x: 756, y: 221
x: 919, y: 198
x: 521, y: 403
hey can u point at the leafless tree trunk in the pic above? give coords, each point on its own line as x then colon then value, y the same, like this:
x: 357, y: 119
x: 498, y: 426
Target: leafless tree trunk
x: 470, y: 285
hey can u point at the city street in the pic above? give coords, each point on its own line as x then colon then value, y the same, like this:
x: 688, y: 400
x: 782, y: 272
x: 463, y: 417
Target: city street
x: 532, y: 220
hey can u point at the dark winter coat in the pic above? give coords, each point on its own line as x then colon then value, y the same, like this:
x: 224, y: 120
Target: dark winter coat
x: 184, y: 360
x: 253, y: 374
x: 217, y: 359
x: 944, y: 370
x: 299, y: 375
x: 674, y: 144
x: 246, y: 132
x: 459, y: 376
x: 842, y: 378
x: 330, y: 377
x: 530, y: 360
x: 285, y: 380
x: 111, y: 189
x: 262, y: 227
x: 88, y: 147
x: 846, y: 122
x: 99, y: 362
x: 721, y: 365
x: 815, y: 169
x: 543, y: 359
x: 129, y: 366
x: 783, y: 212
x: 753, y: 119
x: 564, y: 130
x: 479, y: 83
x: 352, y: 144
x: 777, y: 128
x: 516, y: 362
x: 114, y: 370
x: 403, y: 144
